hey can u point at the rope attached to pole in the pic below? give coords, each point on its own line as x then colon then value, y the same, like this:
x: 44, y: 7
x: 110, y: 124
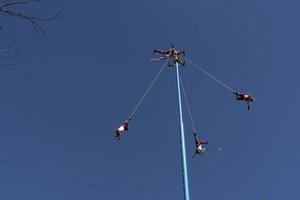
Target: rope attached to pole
x: 187, y: 105
x: 146, y: 92
x: 211, y: 76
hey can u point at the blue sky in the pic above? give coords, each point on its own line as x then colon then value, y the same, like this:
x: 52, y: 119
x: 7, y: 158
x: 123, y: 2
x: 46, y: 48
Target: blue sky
x: 71, y: 89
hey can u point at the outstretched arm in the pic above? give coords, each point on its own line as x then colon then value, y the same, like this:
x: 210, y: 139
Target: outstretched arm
x: 196, y: 139
x: 203, y: 141
x: 157, y: 51
x: 164, y: 52
x: 181, y: 52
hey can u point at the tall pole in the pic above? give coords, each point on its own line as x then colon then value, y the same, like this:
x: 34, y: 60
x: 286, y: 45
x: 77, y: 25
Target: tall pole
x: 182, y: 142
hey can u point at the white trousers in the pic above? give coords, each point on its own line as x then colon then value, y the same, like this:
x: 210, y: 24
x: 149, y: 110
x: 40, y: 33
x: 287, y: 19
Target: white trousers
x: 121, y: 129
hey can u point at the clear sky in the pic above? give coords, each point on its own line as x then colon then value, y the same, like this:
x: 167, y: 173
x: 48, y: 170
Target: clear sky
x: 61, y: 103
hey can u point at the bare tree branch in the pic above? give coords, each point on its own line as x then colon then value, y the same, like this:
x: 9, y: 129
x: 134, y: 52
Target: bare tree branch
x: 7, y: 9
x: 12, y: 9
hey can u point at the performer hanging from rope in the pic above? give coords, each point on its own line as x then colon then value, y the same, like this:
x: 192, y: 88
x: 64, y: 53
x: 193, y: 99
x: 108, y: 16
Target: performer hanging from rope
x: 239, y: 96
x: 172, y: 54
x: 121, y: 129
x: 199, y: 149
x: 244, y: 97
x: 124, y: 125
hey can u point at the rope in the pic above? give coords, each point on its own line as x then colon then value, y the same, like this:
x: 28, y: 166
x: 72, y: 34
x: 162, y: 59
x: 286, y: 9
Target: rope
x: 187, y: 105
x: 147, y: 91
x: 211, y: 76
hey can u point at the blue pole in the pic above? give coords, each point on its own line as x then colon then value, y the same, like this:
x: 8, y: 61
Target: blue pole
x: 182, y: 142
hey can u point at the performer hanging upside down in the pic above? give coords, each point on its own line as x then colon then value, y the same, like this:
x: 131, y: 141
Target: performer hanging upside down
x: 172, y: 54
x: 199, y: 149
x: 244, y: 97
x: 121, y: 129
